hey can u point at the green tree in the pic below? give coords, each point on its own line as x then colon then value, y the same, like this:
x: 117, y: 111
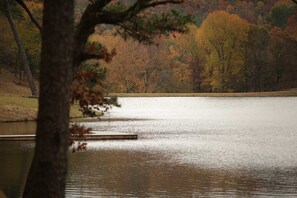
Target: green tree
x: 280, y: 14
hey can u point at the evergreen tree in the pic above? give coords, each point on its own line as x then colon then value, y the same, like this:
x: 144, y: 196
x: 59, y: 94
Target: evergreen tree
x: 47, y: 177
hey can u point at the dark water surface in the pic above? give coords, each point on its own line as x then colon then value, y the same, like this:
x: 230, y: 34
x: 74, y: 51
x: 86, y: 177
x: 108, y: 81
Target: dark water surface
x: 187, y: 147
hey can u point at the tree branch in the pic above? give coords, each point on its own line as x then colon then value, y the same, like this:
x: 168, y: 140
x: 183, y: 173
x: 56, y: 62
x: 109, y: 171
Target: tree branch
x: 144, y: 29
x: 99, y: 13
x: 100, y: 4
x: 153, y: 4
x: 109, y: 17
x: 85, y: 28
x: 24, y: 6
x: 86, y: 56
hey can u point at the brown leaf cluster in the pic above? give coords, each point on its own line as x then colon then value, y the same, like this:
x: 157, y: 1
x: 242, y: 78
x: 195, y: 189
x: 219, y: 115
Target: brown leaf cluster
x: 81, y: 132
x: 87, y: 94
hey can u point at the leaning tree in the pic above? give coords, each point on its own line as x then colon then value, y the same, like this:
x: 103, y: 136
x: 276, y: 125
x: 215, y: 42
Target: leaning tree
x: 139, y: 21
x: 7, y: 7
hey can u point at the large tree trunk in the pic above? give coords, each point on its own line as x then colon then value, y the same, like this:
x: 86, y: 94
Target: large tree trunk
x: 21, y: 49
x: 47, y: 176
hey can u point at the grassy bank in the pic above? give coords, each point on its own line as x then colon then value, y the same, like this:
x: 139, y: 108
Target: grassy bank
x: 286, y: 93
x: 15, y: 105
x: 18, y: 108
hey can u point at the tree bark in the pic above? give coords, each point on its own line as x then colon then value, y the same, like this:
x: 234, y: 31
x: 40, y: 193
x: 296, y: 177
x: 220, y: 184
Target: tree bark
x: 21, y: 49
x: 47, y: 176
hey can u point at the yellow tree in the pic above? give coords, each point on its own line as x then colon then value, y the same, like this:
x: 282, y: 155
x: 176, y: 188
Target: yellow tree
x: 220, y: 36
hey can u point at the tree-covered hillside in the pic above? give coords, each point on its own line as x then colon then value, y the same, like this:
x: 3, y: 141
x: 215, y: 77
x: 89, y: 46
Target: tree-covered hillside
x: 231, y: 46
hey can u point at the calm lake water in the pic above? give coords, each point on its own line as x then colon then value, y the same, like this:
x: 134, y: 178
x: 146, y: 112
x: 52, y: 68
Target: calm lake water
x: 187, y: 147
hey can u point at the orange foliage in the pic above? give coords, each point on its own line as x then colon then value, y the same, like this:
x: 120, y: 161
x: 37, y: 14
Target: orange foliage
x: 84, y: 94
x: 291, y: 28
x: 125, y: 71
x: 79, y: 131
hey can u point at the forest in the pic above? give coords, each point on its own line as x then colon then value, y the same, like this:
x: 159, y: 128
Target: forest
x: 229, y: 46
x: 152, y: 46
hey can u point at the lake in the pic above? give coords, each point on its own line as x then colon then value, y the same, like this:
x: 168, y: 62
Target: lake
x: 187, y: 147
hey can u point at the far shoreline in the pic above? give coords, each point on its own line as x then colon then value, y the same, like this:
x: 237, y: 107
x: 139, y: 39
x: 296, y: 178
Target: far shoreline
x: 286, y: 93
x: 21, y: 109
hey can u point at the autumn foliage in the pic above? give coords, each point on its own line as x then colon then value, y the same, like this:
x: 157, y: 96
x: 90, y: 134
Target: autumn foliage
x: 230, y: 46
x: 80, y: 132
x: 235, y: 49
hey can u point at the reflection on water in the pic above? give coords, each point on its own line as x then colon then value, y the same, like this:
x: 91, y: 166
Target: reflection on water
x: 121, y: 173
x: 11, y: 128
x: 187, y: 147
x: 14, y: 166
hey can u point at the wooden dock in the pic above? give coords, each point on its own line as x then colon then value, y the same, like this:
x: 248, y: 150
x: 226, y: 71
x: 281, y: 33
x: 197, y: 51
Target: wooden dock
x: 96, y: 136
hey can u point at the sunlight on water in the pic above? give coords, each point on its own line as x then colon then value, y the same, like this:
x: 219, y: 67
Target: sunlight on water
x: 187, y: 147
x: 224, y: 133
